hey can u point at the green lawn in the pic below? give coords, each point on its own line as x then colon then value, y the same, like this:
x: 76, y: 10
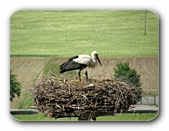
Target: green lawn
x: 117, y: 117
x: 63, y: 33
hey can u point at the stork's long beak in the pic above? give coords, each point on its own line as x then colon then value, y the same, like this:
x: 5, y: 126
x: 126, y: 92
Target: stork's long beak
x: 99, y: 60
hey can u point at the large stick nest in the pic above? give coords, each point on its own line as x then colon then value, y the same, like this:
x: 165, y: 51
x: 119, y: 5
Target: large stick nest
x: 56, y: 98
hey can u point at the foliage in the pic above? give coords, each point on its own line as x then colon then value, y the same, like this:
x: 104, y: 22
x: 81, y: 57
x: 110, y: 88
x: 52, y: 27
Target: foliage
x: 124, y: 72
x: 14, y: 86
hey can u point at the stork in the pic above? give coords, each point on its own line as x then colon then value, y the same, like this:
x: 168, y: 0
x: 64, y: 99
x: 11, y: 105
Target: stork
x: 80, y: 62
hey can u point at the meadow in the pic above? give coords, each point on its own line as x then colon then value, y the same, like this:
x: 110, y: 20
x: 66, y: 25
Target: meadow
x: 64, y: 33
x: 117, y: 117
x: 37, y: 36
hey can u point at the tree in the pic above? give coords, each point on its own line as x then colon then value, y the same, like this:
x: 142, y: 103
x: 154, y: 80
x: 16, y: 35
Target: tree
x: 125, y: 73
x: 14, y: 86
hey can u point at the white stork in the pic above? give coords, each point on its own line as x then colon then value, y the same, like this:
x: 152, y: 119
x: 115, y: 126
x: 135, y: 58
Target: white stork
x: 80, y: 62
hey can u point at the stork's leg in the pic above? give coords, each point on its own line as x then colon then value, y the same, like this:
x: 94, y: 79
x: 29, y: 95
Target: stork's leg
x: 79, y: 75
x: 86, y: 74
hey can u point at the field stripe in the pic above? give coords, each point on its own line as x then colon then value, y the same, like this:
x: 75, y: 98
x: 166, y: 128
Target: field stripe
x: 27, y: 70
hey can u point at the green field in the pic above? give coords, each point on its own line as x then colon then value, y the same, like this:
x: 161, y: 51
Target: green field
x: 117, y: 117
x: 63, y: 33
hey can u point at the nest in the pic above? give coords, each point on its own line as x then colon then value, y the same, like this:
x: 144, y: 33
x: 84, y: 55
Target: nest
x: 57, y: 98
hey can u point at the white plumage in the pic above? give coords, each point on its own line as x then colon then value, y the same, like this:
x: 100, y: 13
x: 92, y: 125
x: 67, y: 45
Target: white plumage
x: 80, y: 62
x: 83, y: 59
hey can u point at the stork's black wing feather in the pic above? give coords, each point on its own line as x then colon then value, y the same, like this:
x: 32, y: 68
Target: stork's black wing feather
x: 71, y: 65
x: 74, y: 57
x: 70, y: 59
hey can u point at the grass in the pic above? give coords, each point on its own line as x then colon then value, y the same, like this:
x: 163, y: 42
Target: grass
x: 63, y: 33
x: 53, y: 69
x: 117, y: 117
x: 129, y: 117
x: 26, y: 102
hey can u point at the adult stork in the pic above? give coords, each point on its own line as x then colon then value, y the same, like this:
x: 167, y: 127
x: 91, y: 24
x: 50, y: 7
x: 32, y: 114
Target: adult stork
x: 80, y: 62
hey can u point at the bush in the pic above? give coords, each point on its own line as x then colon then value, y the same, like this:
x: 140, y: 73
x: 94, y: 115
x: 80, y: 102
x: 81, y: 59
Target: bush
x: 125, y: 73
x: 14, y: 86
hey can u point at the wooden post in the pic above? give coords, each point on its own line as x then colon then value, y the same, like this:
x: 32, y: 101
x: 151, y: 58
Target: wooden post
x: 87, y: 117
x: 145, y: 22
x: 83, y: 117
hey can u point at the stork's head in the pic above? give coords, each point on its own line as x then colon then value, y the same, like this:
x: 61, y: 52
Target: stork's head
x: 95, y: 56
